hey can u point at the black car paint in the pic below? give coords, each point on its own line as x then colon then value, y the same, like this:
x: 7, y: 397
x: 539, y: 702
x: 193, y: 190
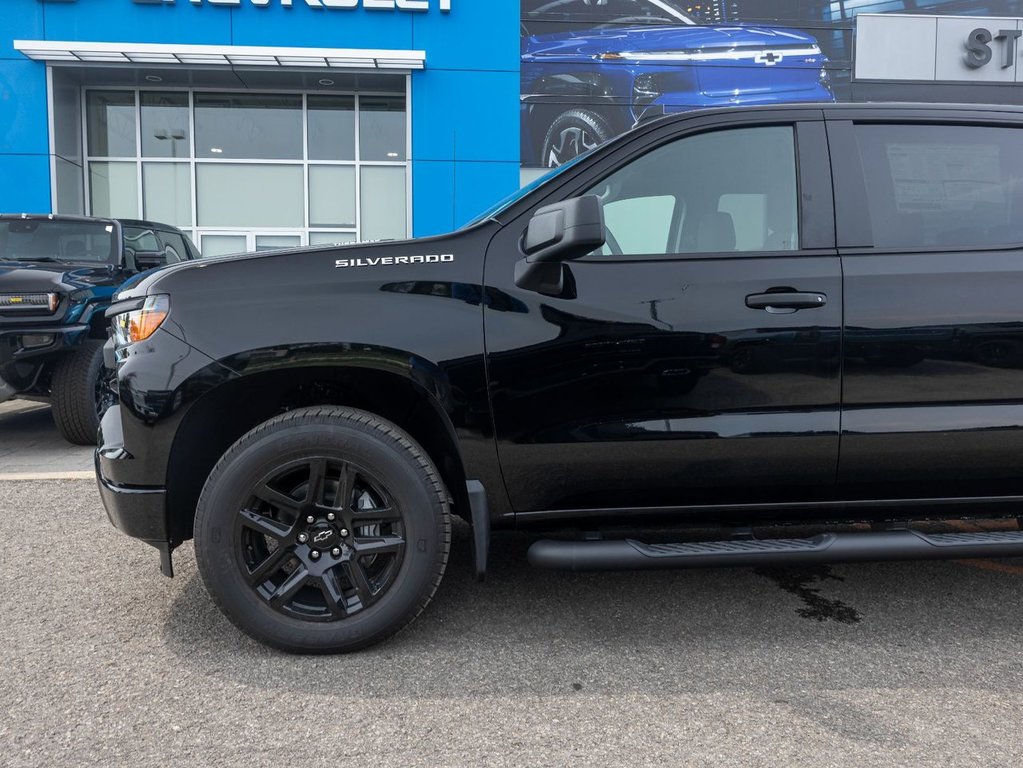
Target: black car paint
x: 610, y: 403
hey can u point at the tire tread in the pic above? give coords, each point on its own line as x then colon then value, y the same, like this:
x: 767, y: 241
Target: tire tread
x: 405, y: 443
x: 72, y: 391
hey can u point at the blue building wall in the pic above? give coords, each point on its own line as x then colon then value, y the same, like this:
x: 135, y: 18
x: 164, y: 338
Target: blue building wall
x: 24, y: 134
x: 465, y: 147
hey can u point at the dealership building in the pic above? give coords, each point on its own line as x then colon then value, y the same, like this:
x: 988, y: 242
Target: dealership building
x: 260, y: 123
x: 256, y: 124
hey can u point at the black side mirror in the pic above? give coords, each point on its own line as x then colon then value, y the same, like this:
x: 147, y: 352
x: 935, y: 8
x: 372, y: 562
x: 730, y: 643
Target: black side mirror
x: 565, y: 231
x: 149, y: 260
x: 557, y: 233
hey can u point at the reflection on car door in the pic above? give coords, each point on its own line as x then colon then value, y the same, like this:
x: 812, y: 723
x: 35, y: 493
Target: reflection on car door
x: 695, y: 358
x: 931, y: 224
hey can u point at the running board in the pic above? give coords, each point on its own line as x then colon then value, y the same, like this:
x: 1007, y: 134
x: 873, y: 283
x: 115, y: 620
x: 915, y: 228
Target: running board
x: 628, y: 554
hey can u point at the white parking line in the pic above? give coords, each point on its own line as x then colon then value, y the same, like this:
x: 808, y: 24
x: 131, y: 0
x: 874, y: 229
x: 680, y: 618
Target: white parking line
x: 17, y: 476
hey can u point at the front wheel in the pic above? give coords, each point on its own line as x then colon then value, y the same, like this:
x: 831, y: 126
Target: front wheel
x: 81, y: 392
x: 572, y: 133
x: 323, y: 530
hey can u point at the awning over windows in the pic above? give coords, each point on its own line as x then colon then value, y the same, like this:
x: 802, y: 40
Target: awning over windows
x: 224, y: 55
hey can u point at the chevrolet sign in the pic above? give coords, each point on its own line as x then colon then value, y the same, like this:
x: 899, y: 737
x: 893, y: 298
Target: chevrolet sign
x: 380, y: 5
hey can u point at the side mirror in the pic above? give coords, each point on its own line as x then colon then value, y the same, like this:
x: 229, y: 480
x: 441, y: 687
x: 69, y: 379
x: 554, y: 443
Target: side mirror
x: 565, y: 231
x: 150, y: 260
x: 557, y: 233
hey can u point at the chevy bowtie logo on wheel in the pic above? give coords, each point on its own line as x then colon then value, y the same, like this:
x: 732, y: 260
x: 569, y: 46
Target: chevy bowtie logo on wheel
x: 322, y: 536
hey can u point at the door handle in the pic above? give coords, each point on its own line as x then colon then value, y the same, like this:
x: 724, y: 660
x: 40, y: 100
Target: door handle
x: 784, y: 302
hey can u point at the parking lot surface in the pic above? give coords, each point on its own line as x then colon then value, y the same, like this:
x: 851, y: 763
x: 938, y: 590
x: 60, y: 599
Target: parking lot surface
x: 31, y: 446
x: 106, y: 662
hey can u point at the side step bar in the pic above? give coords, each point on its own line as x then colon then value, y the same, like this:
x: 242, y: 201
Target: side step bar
x: 629, y: 555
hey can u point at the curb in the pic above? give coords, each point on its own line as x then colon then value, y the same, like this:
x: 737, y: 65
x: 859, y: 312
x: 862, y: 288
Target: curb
x: 23, y: 476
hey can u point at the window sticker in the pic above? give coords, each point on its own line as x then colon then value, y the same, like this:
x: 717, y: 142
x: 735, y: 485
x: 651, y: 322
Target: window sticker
x: 936, y: 177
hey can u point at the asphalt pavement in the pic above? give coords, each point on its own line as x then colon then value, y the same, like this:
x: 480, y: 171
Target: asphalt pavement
x: 107, y: 663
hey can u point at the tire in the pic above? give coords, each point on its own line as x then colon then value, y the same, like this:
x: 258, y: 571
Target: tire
x: 572, y: 133
x: 80, y: 393
x: 368, y: 581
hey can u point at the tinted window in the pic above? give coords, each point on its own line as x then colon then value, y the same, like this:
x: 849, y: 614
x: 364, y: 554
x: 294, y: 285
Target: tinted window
x: 941, y: 185
x: 138, y: 239
x: 716, y: 192
x: 174, y: 247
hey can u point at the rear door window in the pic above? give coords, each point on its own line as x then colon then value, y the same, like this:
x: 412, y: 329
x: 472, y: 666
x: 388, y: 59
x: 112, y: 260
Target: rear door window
x: 934, y: 186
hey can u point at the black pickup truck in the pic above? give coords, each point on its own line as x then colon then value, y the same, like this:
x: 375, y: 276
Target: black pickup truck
x: 57, y: 274
x: 742, y: 317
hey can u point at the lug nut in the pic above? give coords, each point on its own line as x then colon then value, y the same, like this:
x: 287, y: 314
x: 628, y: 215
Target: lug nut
x: 315, y: 555
x: 310, y: 519
x: 331, y: 516
x: 344, y: 531
x: 336, y: 551
x: 302, y: 538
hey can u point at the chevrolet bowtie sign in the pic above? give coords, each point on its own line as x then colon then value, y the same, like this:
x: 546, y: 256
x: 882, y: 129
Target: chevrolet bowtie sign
x: 380, y: 5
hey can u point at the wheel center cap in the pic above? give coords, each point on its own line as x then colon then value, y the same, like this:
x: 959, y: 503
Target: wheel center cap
x: 323, y: 537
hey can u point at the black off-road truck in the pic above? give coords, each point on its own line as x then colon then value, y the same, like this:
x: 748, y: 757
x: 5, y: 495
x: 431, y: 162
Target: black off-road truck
x: 57, y: 274
x: 740, y: 318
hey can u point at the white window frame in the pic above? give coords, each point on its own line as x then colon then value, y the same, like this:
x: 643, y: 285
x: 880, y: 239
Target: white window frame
x: 195, y: 230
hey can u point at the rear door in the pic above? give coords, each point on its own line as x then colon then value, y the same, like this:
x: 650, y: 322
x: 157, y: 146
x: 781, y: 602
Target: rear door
x: 930, y: 228
x: 687, y: 362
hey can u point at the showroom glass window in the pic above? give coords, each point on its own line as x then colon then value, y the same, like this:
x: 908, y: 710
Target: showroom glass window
x: 247, y: 170
x: 934, y: 186
x: 718, y: 192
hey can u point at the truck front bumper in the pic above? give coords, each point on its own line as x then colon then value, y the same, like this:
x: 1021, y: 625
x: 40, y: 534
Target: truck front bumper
x: 24, y: 349
x: 139, y: 512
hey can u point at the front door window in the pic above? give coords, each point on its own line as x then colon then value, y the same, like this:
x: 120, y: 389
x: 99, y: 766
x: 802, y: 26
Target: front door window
x: 719, y: 192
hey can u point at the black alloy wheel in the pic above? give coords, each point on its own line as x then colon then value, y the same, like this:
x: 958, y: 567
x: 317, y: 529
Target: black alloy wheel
x: 320, y: 539
x: 323, y: 530
x: 105, y: 394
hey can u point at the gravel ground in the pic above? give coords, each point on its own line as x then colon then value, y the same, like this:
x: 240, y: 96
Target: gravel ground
x: 108, y: 663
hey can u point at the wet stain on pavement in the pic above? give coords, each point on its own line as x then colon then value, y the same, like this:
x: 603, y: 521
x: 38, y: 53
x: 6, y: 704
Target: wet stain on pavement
x: 799, y: 581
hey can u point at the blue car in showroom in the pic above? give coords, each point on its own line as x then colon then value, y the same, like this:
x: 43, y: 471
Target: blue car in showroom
x: 592, y: 69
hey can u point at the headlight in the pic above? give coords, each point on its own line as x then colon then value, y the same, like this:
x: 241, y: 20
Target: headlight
x: 30, y: 301
x: 825, y: 76
x: 139, y: 324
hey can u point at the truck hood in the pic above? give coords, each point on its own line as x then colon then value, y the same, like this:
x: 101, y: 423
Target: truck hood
x: 46, y: 277
x: 357, y: 256
x: 652, y: 40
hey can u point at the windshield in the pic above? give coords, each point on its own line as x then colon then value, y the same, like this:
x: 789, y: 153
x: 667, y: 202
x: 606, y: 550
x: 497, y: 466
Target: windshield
x: 513, y: 198
x: 89, y: 242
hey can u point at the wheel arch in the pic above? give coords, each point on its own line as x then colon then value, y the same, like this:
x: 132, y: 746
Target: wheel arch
x: 412, y: 396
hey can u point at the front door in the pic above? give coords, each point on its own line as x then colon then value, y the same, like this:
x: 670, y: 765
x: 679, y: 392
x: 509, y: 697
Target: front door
x: 695, y: 358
